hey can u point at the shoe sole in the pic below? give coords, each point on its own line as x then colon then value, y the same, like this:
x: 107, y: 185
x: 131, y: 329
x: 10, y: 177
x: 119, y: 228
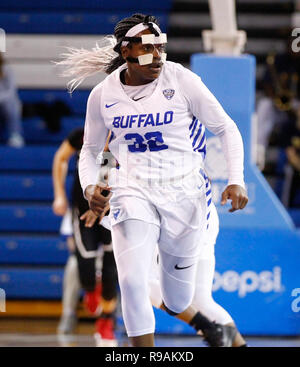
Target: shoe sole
x: 105, y: 343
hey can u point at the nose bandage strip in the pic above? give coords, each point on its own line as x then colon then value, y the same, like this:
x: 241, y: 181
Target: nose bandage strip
x: 148, y: 58
x: 145, y: 59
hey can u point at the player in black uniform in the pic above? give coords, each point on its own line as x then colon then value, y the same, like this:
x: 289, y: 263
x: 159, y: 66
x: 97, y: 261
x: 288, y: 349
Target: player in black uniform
x: 88, y: 236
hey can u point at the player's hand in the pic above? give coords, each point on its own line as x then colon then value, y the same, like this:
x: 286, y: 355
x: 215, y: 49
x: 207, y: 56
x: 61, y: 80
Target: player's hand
x: 89, y: 217
x: 98, y: 198
x: 106, y: 209
x: 238, y: 196
x: 60, y: 205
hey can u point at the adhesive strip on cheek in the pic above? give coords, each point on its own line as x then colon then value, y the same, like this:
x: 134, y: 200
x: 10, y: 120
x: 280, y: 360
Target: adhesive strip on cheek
x: 145, y: 59
x: 163, y: 57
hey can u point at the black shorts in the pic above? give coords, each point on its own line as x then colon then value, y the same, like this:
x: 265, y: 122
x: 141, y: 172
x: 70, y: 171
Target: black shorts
x: 88, y: 240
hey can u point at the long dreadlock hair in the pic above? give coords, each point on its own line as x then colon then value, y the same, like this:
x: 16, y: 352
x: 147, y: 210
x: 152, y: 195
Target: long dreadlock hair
x: 120, y: 31
x: 105, y: 57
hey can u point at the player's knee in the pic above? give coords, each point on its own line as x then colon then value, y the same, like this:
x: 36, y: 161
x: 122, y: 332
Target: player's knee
x: 177, y: 305
x: 176, y: 309
x: 177, y: 296
x: 131, y: 284
x: 170, y: 312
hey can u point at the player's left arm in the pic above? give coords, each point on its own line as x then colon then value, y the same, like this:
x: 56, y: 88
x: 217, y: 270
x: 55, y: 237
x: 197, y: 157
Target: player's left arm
x: 208, y: 110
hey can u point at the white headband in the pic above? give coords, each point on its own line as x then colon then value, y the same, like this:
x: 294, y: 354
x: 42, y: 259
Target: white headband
x: 137, y: 29
x: 81, y: 63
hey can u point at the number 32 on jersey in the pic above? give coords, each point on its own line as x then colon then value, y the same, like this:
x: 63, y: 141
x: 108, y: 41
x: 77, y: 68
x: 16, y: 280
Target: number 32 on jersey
x: 152, y: 140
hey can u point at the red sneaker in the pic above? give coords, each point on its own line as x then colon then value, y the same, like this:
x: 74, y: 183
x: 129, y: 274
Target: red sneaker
x: 105, y: 336
x: 92, y: 300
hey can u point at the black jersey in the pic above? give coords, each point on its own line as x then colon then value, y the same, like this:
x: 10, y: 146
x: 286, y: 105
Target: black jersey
x: 75, y: 139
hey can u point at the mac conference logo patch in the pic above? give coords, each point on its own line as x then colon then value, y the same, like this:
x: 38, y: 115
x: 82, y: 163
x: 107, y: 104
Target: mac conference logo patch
x: 168, y: 93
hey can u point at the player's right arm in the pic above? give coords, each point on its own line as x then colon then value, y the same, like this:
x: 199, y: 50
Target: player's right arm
x: 59, y: 173
x: 95, y: 135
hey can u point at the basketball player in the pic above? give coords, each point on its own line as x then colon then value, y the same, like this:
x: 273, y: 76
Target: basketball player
x: 206, y: 316
x: 227, y: 335
x: 221, y: 332
x: 153, y: 108
x: 214, y: 333
x: 88, y: 235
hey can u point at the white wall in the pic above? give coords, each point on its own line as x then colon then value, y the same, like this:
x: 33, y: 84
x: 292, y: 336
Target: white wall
x: 31, y: 56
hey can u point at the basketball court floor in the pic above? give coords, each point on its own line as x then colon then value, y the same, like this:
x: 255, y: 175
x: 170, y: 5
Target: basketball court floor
x: 42, y: 333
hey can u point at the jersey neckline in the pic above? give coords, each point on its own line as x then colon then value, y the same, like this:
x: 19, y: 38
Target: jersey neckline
x: 140, y: 101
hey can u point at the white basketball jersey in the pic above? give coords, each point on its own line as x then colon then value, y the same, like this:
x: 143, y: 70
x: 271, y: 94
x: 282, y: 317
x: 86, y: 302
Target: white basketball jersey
x: 159, y: 138
x: 156, y: 137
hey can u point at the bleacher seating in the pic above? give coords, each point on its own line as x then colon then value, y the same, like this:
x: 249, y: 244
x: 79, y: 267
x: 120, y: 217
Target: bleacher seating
x: 32, y: 252
x: 77, y: 101
x: 35, y: 218
x: 29, y: 158
x: 36, y: 131
x: 29, y: 187
x: 89, y: 5
x: 64, y: 22
x: 35, y: 250
x: 31, y: 283
x: 267, y: 23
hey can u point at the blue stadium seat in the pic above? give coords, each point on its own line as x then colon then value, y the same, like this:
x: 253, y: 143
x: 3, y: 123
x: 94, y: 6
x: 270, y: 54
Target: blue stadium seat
x: 36, y: 131
x: 66, y: 22
x: 29, y: 187
x: 30, y: 158
x: 31, y: 283
x: 27, y: 158
x: 33, y: 250
x: 77, y: 101
x: 28, y: 218
x: 132, y: 5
